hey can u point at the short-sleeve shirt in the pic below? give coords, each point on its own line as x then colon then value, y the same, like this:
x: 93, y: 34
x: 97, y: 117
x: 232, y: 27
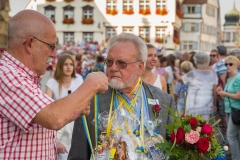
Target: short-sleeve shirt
x: 232, y: 86
x: 54, y: 86
x: 200, y: 91
x: 220, y: 67
x: 20, y: 101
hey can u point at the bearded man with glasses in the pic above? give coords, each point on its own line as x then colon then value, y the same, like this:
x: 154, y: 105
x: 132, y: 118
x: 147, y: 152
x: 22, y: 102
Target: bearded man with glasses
x: 126, y: 58
x: 29, y: 118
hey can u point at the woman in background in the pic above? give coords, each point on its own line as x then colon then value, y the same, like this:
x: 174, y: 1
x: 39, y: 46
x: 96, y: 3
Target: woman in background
x: 231, y: 96
x: 202, y: 83
x: 170, y: 69
x: 148, y: 76
x: 160, y: 67
x: 63, y: 83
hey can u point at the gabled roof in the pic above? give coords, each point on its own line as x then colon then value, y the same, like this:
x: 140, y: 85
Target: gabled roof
x: 194, y: 1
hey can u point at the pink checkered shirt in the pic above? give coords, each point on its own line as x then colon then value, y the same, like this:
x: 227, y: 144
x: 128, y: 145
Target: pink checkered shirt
x: 20, y: 100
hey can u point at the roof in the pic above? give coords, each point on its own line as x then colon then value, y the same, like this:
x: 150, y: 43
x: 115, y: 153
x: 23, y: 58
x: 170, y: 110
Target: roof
x: 194, y: 1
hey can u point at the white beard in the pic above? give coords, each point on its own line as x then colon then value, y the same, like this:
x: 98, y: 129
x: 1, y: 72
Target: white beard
x: 116, y: 84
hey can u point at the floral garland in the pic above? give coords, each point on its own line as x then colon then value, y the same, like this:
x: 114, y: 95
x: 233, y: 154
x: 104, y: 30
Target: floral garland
x: 146, y: 40
x: 159, y: 40
x: 176, y: 40
x: 68, y: 20
x: 144, y: 11
x: 161, y: 11
x: 128, y: 11
x: 179, y: 14
x: 111, y: 11
x: 87, y: 21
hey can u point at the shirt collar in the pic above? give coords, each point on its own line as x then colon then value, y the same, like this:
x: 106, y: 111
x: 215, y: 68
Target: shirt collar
x: 15, y: 63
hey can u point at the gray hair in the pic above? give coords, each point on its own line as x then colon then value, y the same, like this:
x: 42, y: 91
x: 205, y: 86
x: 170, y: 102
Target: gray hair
x: 235, y: 52
x: 177, y: 54
x: 201, y: 59
x: 137, y: 41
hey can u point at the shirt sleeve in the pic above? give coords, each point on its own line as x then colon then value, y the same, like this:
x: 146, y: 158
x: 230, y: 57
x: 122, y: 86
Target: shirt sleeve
x: 22, y: 100
x: 236, y: 83
x: 188, y: 78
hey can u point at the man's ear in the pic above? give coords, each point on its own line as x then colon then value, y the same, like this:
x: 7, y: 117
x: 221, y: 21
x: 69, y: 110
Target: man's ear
x: 28, y: 45
x: 141, y: 68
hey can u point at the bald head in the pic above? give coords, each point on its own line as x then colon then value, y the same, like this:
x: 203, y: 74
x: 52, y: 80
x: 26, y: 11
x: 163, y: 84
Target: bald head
x: 27, y: 23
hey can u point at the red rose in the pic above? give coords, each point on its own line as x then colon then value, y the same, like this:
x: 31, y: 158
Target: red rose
x: 203, y: 145
x: 206, y: 129
x: 193, y: 122
x: 179, y: 136
x: 156, y: 108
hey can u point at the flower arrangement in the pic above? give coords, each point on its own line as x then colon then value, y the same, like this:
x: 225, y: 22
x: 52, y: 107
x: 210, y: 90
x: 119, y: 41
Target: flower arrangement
x: 87, y: 21
x: 68, y: 20
x: 179, y: 14
x: 159, y: 40
x: 111, y: 11
x: 191, y: 138
x: 128, y: 11
x: 146, y: 40
x: 176, y: 40
x: 145, y: 11
x: 161, y: 11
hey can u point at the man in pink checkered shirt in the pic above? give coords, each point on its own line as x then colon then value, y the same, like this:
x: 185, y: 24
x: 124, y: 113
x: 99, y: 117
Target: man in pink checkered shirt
x: 28, y: 117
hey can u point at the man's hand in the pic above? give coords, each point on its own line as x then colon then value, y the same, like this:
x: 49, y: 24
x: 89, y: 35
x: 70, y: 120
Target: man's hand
x: 99, y: 80
x: 61, y: 148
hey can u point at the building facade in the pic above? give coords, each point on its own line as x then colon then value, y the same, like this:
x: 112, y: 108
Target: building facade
x: 201, y: 25
x: 157, y: 21
x: 4, y: 18
x: 232, y: 29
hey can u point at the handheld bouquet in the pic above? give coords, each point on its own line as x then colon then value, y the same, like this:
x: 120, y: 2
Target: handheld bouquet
x: 191, y: 138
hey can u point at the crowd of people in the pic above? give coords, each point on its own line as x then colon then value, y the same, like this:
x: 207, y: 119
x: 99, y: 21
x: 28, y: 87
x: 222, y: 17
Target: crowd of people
x: 126, y: 72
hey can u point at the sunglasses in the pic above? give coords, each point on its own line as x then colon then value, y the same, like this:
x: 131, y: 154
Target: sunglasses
x: 119, y: 63
x: 230, y: 64
x: 213, y: 55
x: 51, y: 46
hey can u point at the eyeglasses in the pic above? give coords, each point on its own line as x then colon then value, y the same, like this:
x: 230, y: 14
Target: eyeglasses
x: 51, y: 46
x: 213, y: 55
x: 230, y: 64
x: 120, y: 64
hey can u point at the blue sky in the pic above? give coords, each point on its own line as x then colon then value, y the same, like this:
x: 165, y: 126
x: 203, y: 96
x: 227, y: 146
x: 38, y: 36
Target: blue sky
x: 225, y: 6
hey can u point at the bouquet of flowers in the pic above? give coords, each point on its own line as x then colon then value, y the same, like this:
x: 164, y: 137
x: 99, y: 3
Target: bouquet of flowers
x: 191, y: 138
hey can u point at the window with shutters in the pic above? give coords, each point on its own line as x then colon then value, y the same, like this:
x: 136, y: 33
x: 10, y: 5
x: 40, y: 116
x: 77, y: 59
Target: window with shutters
x: 144, y: 4
x: 111, y: 4
x: 144, y: 32
x: 110, y: 31
x: 50, y: 12
x: 161, y: 4
x: 191, y: 9
x: 88, y: 36
x: 128, y: 29
x: 187, y: 45
x: 190, y: 27
x: 68, y: 36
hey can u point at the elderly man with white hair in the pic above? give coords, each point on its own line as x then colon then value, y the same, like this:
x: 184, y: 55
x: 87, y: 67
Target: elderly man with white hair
x: 202, y: 83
